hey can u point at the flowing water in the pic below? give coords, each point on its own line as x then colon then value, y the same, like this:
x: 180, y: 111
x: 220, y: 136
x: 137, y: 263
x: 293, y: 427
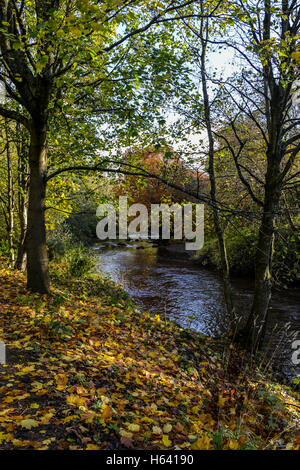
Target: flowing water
x: 192, y: 296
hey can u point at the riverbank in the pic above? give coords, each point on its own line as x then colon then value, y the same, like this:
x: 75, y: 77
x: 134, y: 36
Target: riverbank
x: 88, y: 370
x: 165, y: 283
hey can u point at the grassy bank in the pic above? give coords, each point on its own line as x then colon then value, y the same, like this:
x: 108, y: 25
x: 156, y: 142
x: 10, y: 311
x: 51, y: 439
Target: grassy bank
x: 88, y: 370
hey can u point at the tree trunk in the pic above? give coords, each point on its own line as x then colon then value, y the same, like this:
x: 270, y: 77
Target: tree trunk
x: 37, y: 258
x: 22, y: 204
x: 253, y: 332
x: 21, y: 260
x: 211, y: 171
x: 10, y: 198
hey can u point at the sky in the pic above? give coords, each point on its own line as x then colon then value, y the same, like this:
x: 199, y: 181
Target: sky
x: 225, y: 63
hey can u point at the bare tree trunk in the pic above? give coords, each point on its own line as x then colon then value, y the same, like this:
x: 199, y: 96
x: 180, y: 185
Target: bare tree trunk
x: 37, y: 258
x: 211, y: 171
x: 10, y: 198
x: 21, y: 260
x: 22, y: 203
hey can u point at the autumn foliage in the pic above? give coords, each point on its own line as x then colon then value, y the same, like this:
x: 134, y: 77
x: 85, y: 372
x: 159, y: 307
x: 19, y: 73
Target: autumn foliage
x: 90, y: 372
x: 167, y: 165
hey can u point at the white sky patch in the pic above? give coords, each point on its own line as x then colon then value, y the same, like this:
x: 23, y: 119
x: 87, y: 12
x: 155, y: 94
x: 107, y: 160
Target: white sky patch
x: 2, y: 93
x: 225, y: 63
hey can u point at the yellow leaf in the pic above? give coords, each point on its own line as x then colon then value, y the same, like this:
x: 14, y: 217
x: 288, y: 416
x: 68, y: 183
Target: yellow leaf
x: 167, y: 428
x: 19, y: 443
x: 233, y: 444
x: 92, y: 447
x: 202, y: 443
x: 37, y: 386
x: 296, y: 55
x: 125, y: 433
x: 156, y: 430
x: 5, y: 437
x: 104, y: 399
x: 166, y: 441
x: 34, y: 406
x: 61, y: 381
x: 69, y: 418
x: 27, y: 369
x: 289, y: 445
x: 222, y: 401
x: 48, y: 441
x: 29, y: 423
x: 75, y: 400
x: 133, y: 427
x: 46, y: 418
x: 21, y: 397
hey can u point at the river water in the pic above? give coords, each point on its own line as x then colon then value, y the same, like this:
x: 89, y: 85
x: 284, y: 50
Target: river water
x: 192, y: 296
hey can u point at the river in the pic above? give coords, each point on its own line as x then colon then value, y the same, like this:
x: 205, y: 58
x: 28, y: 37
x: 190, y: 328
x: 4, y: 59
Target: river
x: 192, y: 296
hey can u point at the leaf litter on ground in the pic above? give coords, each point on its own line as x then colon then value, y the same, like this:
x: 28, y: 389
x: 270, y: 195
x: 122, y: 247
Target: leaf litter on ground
x: 88, y: 370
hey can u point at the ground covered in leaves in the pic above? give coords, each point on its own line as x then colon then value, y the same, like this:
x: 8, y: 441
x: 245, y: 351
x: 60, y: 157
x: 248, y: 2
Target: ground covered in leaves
x: 87, y: 370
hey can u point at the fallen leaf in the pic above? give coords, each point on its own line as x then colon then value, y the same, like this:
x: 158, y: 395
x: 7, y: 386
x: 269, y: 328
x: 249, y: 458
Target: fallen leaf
x: 167, y: 428
x: 28, y: 423
x: 127, y: 442
x: 166, y: 441
x: 133, y: 427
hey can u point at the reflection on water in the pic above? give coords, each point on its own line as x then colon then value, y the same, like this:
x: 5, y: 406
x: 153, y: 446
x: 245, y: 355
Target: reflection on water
x: 192, y: 296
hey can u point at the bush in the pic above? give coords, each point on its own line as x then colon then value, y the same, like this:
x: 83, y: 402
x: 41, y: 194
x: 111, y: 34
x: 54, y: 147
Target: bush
x: 4, y: 248
x: 241, y: 255
x: 59, y: 241
x: 286, y: 263
x: 80, y: 261
x: 76, y: 262
x: 82, y: 225
x: 68, y: 257
x: 240, y: 252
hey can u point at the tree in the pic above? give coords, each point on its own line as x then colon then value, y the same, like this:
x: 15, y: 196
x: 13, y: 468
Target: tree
x: 269, y: 78
x: 22, y: 146
x: 264, y: 36
x: 166, y: 165
x: 203, y: 35
x: 46, y: 51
